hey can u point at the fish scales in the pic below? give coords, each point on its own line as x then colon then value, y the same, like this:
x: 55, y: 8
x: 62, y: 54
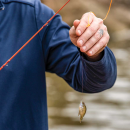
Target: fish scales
x: 82, y: 111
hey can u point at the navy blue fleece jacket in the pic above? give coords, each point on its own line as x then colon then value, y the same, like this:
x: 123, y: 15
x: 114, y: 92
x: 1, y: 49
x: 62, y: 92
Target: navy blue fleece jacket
x: 23, y: 101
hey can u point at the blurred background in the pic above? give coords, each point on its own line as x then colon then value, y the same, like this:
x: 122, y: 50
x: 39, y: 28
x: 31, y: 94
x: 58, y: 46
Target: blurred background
x: 109, y: 110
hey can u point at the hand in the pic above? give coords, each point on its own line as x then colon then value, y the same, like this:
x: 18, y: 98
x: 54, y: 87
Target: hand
x: 91, y: 40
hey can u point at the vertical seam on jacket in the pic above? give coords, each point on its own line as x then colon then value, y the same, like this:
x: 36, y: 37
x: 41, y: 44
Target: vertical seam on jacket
x: 39, y: 33
x: 36, y: 20
x: 42, y: 53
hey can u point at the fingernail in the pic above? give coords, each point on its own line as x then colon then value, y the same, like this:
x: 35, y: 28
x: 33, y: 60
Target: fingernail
x: 84, y: 48
x: 79, y: 32
x: 81, y: 42
x: 90, y: 52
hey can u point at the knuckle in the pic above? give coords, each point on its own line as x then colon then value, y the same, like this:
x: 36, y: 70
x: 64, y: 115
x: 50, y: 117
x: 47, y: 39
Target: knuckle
x: 102, y: 42
x: 100, y: 21
x: 89, y: 33
x: 106, y: 41
x: 97, y: 36
x: 96, y: 25
x: 92, y: 15
x: 87, y: 47
x: 92, y: 29
x: 97, y: 47
x: 82, y: 25
x: 105, y: 28
x: 91, y: 42
x: 108, y: 36
x: 85, y: 15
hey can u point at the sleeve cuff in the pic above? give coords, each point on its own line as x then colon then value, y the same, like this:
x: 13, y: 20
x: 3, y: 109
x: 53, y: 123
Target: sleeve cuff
x: 100, y: 62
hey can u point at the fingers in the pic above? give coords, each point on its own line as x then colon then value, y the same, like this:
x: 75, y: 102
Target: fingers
x: 89, y: 32
x: 83, y: 23
x: 97, y: 56
x: 76, y: 23
x: 99, y: 46
x: 73, y: 35
x: 93, y: 40
x: 72, y: 32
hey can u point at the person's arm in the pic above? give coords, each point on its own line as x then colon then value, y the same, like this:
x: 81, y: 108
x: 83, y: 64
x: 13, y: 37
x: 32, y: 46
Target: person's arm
x: 63, y: 58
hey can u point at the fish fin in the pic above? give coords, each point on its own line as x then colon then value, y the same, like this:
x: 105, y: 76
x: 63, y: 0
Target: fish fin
x: 81, y: 117
x: 85, y: 110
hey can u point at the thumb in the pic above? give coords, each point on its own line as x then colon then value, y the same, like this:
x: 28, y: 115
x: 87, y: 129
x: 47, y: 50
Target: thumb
x: 76, y: 23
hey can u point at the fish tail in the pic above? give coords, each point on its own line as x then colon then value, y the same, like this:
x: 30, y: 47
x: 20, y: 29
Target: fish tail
x: 80, y: 121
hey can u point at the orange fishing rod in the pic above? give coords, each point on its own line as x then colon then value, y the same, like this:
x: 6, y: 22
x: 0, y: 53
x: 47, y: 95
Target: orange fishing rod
x: 42, y: 28
x: 34, y: 35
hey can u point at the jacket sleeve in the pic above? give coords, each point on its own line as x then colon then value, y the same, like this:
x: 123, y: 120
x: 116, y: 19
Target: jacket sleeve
x: 64, y: 59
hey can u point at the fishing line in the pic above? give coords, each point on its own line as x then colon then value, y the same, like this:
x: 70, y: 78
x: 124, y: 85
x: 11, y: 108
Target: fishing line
x: 105, y: 16
x: 108, y: 10
x: 87, y: 27
x: 41, y: 29
x: 33, y: 36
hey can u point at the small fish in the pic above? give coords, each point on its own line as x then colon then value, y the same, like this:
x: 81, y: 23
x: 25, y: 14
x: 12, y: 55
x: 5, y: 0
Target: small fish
x: 82, y: 110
